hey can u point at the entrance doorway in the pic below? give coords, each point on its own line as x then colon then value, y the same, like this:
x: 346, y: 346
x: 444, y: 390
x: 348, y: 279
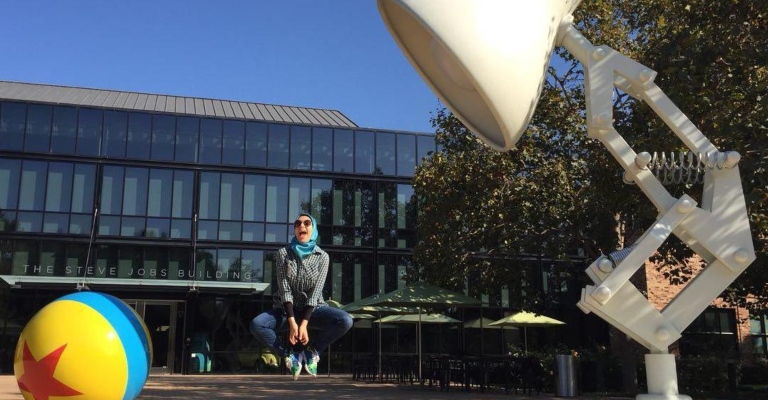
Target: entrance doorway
x: 162, y: 319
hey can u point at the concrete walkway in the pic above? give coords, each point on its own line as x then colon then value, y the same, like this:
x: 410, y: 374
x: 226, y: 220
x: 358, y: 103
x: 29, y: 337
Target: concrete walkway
x: 236, y: 387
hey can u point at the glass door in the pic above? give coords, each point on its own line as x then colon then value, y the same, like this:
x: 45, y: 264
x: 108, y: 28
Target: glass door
x: 160, y: 317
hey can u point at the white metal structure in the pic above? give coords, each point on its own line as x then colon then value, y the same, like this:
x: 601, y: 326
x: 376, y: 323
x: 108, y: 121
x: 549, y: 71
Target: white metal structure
x: 487, y: 59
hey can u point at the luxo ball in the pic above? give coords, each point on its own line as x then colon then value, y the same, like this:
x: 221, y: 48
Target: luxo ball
x: 85, y: 345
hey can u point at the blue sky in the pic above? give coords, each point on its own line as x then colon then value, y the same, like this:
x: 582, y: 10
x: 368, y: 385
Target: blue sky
x: 334, y: 54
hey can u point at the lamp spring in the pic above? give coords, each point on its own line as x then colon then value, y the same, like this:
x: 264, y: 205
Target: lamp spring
x: 685, y: 167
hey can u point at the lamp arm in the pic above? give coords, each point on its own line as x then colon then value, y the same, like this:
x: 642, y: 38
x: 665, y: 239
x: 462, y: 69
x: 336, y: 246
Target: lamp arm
x: 717, y: 230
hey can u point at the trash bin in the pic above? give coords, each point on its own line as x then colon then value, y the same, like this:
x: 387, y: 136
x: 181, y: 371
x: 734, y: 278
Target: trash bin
x: 565, y: 375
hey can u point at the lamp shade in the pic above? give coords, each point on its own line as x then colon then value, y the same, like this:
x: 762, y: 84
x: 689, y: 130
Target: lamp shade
x: 485, y: 59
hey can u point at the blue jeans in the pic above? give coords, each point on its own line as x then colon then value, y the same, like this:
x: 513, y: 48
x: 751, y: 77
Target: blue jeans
x: 327, y: 325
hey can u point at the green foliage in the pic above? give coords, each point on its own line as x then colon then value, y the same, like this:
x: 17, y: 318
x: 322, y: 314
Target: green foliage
x: 483, y: 212
x: 712, y: 61
x: 754, y: 373
x: 702, y: 375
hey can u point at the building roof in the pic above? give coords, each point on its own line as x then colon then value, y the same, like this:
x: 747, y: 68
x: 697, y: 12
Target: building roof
x: 202, y: 107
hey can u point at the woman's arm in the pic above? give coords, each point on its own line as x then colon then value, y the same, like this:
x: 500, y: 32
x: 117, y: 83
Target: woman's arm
x: 283, y: 287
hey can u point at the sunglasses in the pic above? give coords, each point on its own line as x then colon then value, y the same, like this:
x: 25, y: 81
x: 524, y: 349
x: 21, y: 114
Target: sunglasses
x: 307, y: 223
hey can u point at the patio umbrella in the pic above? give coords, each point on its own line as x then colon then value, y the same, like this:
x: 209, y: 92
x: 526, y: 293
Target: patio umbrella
x: 483, y: 323
x: 420, y: 294
x: 355, y: 316
x: 361, y: 306
x: 525, y: 319
x: 418, y: 319
x: 334, y: 303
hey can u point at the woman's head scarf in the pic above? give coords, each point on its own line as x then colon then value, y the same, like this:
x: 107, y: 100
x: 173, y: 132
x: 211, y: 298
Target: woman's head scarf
x: 305, y: 249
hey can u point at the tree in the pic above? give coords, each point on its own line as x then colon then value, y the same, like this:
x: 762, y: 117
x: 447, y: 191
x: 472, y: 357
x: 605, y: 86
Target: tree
x: 483, y: 212
x: 712, y: 61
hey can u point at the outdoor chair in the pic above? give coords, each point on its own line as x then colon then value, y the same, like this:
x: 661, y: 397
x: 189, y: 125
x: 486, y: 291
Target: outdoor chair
x: 531, y: 375
x: 363, y: 368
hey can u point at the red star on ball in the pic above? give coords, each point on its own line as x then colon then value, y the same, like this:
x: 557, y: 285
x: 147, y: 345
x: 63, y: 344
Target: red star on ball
x: 38, y: 376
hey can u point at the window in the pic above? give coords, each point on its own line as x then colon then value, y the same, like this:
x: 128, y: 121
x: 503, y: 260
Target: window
x: 112, y: 190
x: 139, y: 135
x: 144, y: 202
x: 89, y: 132
x: 277, y: 200
x: 276, y: 233
x: 353, y: 213
x: 59, y: 188
x: 26, y: 258
x: 426, y: 144
x: 135, y: 191
x: 254, y: 198
x: 53, y: 258
x: 388, y: 270
x: 397, y: 215
x: 206, y: 264
x: 278, y: 148
x: 210, y: 141
x: 364, y: 152
x: 115, y: 133
x: 163, y: 136
x: 758, y: 333
x: 385, y: 153
x: 32, y: 190
x: 13, y: 117
x: 713, y: 332
x: 160, y: 196
x: 322, y: 149
x: 298, y: 197
x: 38, y: 128
x: 343, y: 150
x: 256, y: 144
x: 209, y: 196
x: 187, y: 137
x: 301, y: 147
x: 322, y: 201
x: 9, y: 183
x: 29, y: 222
x: 406, y: 154
x: 231, y: 203
x: 83, y: 186
x: 182, y: 193
x: 252, y: 266
x: 156, y: 263
x: 64, y: 130
x: 234, y: 142
x: 351, y: 278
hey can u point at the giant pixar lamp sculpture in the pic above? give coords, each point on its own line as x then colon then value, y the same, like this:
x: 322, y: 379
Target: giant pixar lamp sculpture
x: 487, y: 59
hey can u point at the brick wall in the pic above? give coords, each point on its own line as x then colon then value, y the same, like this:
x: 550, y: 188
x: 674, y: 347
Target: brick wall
x: 661, y: 289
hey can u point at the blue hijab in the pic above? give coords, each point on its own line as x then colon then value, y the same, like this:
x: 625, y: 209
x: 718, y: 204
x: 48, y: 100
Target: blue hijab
x: 305, y: 249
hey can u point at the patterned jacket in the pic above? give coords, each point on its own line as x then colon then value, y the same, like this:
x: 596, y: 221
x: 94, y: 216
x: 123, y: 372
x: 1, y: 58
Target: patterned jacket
x: 300, y: 281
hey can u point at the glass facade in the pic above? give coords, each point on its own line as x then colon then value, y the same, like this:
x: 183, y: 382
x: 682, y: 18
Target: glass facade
x: 120, y: 198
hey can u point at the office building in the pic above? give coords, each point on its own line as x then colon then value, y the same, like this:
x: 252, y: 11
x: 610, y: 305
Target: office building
x: 177, y: 204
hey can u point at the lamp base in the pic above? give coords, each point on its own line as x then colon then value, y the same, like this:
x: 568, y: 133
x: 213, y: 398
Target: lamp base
x: 662, y: 397
x: 661, y: 372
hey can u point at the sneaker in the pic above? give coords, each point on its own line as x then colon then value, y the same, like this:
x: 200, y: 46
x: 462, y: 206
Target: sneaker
x: 312, y: 360
x: 293, y: 363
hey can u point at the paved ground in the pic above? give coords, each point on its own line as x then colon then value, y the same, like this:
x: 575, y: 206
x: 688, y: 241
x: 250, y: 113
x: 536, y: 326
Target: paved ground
x: 237, y: 387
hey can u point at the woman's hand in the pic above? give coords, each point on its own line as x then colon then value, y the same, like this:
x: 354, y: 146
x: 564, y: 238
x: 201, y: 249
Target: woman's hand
x: 293, y: 331
x: 303, y: 337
